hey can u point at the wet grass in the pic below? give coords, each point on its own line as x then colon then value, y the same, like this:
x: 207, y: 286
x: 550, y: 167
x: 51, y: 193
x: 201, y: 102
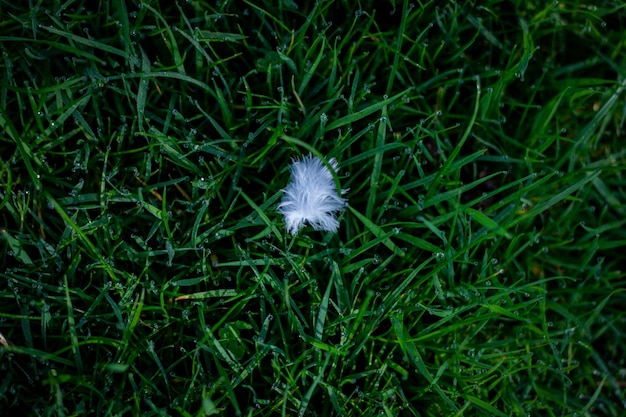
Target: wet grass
x: 477, y: 269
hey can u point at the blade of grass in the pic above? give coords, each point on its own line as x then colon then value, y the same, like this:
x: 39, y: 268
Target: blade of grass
x: 142, y: 91
x: 377, y: 231
x: 88, y: 243
x: 365, y: 111
x: 378, y: 163
x: 71, y: 324
x: 445, y: 169
x: 540, y: 208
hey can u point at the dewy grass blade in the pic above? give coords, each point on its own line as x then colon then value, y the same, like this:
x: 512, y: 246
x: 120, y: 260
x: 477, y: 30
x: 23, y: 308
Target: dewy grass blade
x: 71, y: 324
x: 445, y: 169
x: 408, y: 347
x: 456, y: 192
x: 142, y: 91
x: 206, y: 294
x: 88, y: 42
x: 485, y: 406
x: 16, y: 247
x: 71, y: 111
x: 378, y: 164
x: 343, y: 297
x: 398, y: 46
x: 456, y: 166
x: 125, y: 24
x: 584, y: 136
x: 39, y: 354
x: 365, y: 111
x: 321, y: 314
x: 308, y: 75
x: 173, y: 44
x: 377, y: 231
x: 263, y: 216
x: 25, y: 151
x: 304, y: 403
x: 135, y: 315
x: 589, y: 177
x: 83, y: 237
x: 487, y: 222
x: 178, y: 76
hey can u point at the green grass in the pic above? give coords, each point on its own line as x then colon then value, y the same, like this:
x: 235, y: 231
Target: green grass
x: 478, y: 269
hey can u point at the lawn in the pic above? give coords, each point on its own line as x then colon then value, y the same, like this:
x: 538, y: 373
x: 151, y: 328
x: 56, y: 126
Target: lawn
x: 477, y: 270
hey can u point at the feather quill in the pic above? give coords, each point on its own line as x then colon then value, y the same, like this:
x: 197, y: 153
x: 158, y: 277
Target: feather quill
x: 311, y: 196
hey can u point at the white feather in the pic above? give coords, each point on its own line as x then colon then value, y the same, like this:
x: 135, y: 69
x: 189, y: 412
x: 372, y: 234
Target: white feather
x: 311, y: 196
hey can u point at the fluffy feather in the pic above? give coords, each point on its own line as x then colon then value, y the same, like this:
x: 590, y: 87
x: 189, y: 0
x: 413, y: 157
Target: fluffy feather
x: 311, y: 196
